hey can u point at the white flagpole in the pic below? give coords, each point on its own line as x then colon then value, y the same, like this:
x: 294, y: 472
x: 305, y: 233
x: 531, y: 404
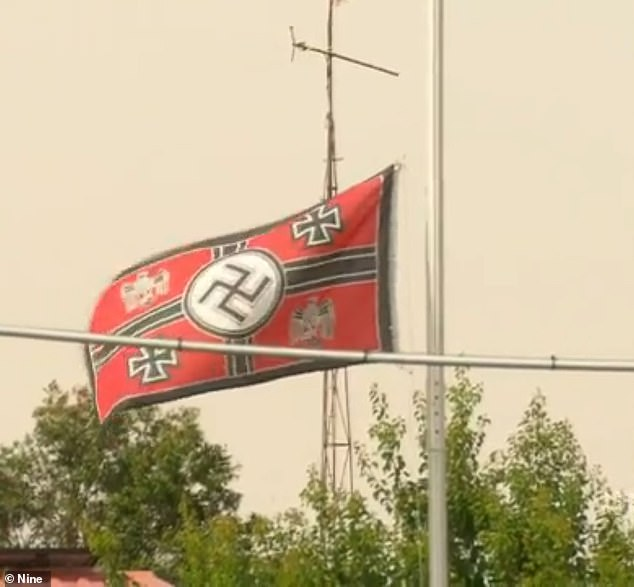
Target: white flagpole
x: 437, y: 504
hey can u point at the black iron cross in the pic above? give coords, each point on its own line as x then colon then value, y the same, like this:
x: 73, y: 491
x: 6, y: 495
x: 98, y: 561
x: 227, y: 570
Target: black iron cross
x: 318, y: 225
x: 151, y: 364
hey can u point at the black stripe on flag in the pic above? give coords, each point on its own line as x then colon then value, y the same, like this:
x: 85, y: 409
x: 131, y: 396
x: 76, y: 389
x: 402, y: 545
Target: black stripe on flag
x: 386, y: 250
x: 238, y: 365
x: 161, y: 316
x: 347, y: 266
x: 228, y: 249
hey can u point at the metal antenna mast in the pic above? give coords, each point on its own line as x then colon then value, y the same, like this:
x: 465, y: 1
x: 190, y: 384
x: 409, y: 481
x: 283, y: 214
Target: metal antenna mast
x: 336, y: 449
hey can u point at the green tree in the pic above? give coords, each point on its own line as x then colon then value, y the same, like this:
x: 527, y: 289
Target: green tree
x: 532, y: 514
x: 613, y: 542
x: 555, y: 521
x: 117, y: 487
x: 333, y: 540
x: 14, y: 509
x: 401, y: 491
x: 540, y: 526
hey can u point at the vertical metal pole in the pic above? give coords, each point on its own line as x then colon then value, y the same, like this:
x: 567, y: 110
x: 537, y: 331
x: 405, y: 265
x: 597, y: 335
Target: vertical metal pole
x: 437, y: 515
x: 335, y: 412
x: 331, y: 154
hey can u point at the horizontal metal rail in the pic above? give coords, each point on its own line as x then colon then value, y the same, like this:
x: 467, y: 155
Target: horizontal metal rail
x: 550, y: 363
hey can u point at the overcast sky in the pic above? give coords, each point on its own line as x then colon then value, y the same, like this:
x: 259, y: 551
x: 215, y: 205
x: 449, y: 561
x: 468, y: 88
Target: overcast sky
x: 128, y: 127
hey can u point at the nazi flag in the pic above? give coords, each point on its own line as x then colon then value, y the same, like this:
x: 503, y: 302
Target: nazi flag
x: 320, y: 278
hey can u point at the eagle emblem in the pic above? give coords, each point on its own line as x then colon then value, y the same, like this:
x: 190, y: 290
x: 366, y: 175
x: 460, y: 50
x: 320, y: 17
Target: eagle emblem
x: 144, y: 290
x: 313, y: 323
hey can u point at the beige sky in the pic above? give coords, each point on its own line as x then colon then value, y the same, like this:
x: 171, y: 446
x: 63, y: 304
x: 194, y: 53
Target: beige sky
x: 129, y: 127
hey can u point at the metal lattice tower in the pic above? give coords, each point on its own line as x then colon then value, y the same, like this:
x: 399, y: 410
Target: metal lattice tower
x: 336, y: 450
x: 336, y: 453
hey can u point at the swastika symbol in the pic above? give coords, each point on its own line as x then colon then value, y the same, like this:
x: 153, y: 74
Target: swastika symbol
x: 235, y: 295
x: 236, y: 290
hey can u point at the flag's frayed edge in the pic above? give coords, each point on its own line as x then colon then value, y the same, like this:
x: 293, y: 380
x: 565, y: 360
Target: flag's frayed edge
x: 392, y: 255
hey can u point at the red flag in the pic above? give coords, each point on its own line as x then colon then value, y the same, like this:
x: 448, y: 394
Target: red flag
x: 320, y: 278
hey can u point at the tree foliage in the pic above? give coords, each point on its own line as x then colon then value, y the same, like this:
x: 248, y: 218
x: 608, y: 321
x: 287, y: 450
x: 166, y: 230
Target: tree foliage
x: 118, y: 487
x: 534, y: 513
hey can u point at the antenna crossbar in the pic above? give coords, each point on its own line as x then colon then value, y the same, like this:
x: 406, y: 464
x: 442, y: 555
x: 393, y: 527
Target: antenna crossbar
x: 302, y: 46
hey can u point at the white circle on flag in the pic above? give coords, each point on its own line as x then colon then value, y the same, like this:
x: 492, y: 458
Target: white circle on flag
x: 235, y: 295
